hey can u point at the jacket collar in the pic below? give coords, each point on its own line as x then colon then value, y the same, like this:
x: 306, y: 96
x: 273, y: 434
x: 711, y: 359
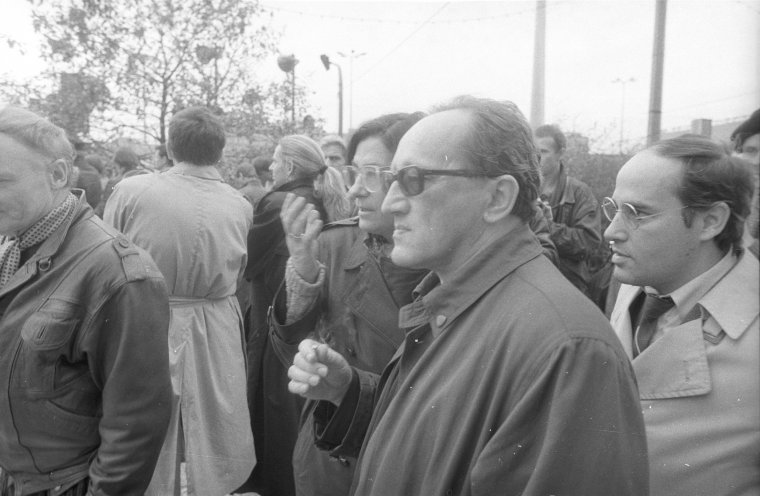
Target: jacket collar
x: 295, y: 184
x: 50, y: 246
x: 199, y: 171
x: 733, y: 301
x: 441, y: 304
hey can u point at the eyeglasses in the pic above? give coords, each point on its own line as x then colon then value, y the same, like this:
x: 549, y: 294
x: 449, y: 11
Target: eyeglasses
x: 411, y: 179
x: 631, y: 216
x: 374, y: 178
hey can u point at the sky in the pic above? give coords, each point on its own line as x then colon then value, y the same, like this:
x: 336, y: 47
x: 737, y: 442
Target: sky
x: 409, y: 56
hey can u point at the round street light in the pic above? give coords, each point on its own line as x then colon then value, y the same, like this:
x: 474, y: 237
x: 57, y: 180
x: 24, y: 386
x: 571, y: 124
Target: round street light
x: 287, y: 63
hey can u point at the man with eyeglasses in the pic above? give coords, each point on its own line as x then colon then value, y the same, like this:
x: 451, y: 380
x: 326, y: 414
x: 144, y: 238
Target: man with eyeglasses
x: 509, y: 380
x: 687, y: 314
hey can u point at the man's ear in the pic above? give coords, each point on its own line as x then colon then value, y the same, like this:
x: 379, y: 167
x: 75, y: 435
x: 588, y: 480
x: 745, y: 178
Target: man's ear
x: 503, y: 196
x: 714, y: 220
x: 59, y: 172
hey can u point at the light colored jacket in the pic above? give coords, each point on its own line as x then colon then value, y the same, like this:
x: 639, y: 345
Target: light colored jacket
x: 195, y: 227
x: 700, y: 390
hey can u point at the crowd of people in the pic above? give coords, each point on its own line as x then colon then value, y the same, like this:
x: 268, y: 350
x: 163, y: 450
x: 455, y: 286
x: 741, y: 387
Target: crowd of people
x: 411, y: 311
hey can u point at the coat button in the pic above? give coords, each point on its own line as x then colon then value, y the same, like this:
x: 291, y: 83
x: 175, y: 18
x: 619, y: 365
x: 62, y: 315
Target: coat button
x: 440, y: 320
x: 124, y: 243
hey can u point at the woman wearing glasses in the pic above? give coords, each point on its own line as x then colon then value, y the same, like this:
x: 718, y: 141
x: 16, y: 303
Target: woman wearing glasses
x: 298, y: 168
x: 342, y: 287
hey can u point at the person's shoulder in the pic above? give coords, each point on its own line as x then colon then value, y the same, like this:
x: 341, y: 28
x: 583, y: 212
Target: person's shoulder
x: 340, y: 232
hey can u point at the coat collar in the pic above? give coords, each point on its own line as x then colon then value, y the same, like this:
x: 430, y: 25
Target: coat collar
x: 442, y: 304
x: 199, y: 171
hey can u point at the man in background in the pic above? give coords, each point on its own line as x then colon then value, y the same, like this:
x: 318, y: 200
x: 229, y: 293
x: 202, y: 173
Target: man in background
x: 575, y: 224
x: 334, y: 150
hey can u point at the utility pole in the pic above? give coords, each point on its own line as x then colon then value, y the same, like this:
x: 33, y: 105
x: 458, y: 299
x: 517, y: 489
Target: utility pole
x: 351, y: 56
x: 622, y: 82
x: 539, y: 58
x: 658, y: 61
x: 327, y: 63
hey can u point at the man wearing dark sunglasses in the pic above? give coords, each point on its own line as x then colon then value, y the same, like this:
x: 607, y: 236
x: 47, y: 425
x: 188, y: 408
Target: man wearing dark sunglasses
x: 509, y: 380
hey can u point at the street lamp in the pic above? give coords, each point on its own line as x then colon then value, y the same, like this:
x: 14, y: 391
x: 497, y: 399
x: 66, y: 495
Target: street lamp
x: 327, y: 63
x: 287, y: 63
x: 351, y: 56
x: 622, y: 82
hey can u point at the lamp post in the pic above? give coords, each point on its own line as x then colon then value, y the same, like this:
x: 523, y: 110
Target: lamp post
x: 351, y: 56
x: 287, y: 63
x: 622, y: 82
x: 327, y: 63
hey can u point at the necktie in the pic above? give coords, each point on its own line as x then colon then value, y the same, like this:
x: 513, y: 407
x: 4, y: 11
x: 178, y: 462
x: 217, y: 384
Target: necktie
x: 654, y: 307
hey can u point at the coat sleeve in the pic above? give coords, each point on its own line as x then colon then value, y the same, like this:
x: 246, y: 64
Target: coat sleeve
x: 576, y: 430
x: 128, y: 357
x: 579, y: 235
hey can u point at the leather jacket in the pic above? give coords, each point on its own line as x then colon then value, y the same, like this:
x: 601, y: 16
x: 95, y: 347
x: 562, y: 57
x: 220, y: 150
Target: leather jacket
x: 575, y: 228
x: 84, y: 366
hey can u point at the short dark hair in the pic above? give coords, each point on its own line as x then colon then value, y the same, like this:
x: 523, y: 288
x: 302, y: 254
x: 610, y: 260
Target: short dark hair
x: 554, y: 132
x: 196, y: 136
x: 500, y: 141
x: 261, y: 164
x: 388, y: 128
x: 748, y: 128
x: 710, y: 175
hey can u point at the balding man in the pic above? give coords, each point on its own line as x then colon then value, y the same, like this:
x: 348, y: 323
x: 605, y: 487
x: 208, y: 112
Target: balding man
x: 85, y: 394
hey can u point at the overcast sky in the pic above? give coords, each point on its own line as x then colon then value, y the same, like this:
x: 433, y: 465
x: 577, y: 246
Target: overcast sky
x: 417, y: 54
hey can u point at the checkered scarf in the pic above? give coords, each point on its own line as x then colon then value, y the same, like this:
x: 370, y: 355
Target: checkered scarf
x: 11, y: 247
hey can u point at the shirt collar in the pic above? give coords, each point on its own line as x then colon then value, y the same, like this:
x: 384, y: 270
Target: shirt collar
x: 440, y: 304
x: 714, y: 294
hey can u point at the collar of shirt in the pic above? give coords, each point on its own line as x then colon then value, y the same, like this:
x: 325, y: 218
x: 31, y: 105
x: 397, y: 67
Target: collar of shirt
x: 439, y: 304
x: 688, y: 296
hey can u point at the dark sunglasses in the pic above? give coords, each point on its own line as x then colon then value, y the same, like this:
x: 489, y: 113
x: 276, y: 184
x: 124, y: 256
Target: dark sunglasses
x: 411, y: 179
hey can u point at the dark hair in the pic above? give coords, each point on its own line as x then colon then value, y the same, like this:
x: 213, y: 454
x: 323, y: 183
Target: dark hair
x: 710, y: 175
x: 196, y: 136
x: 96, y: 162
x: 554, y: 132
x: 500, y: 141
x: 389, y: 128
x: 126, y: 158
x: 748, y: 128
x: 261, y: 164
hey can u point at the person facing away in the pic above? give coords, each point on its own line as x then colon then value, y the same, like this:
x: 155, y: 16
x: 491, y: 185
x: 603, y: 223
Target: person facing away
x: 509, y: 380
x: 127, y: 163
x: 334, y: 150
x: 575, y: 224
x: 342, y: 288
x: 195, y: 227
x: 256, y: 178
x: 298, y: 167
x: 687, y: 314
x: 83, y: 322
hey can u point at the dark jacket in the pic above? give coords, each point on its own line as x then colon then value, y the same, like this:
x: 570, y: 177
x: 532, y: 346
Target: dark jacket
x: 274, y: 411
x: 357, y: 315
x: 84, y: 364
x: 509, y: 381
x: 575, y: 228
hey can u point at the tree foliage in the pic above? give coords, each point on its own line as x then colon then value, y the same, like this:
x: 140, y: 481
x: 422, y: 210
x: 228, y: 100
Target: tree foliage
x: 156, y: 56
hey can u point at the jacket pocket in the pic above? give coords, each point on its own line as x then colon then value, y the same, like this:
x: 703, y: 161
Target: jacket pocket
x: 47, y: 338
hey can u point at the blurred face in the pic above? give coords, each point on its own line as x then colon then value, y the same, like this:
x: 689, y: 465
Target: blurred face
x: 549, y: 156
x: 334, y: 155
x: 751, y: 150
x: 27, y: 190
x: 371, y: 153
x: 439, y: 228
x: 661, y: 251
x: 280, y: 172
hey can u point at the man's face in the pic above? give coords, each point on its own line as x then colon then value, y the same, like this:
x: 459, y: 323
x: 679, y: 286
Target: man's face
x: 751, y: 150
x: 334, y: 155
x: 26, y: 190
x: 373, y: 153
x: 550, y: 156
x: 439, y: 228
x: 662, y: 252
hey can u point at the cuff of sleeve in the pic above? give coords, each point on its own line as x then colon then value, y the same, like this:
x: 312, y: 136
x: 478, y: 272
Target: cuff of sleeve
x: 341, y: 430
x: 301, y: 295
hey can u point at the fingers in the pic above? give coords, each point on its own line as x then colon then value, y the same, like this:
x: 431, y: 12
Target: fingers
x: 299, y: 218
x: 306, y: 372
